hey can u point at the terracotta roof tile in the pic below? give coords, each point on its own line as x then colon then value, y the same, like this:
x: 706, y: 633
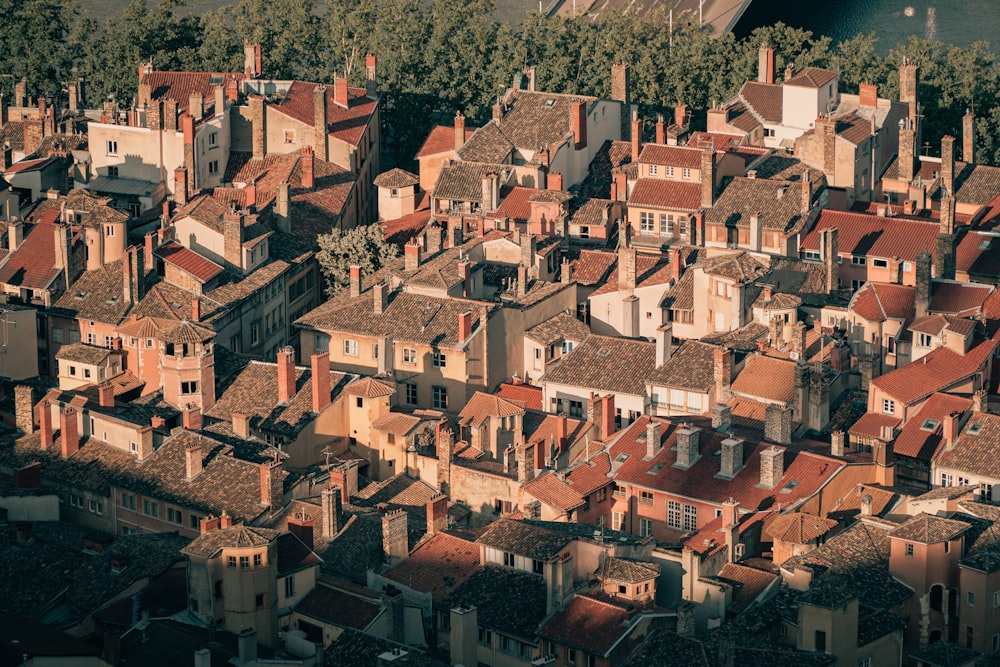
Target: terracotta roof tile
x: 651, y: 270
x: 397, y: 423
x: 936, y: 371
x: 603, y: 363
x: 96, y: 295
x: 515, y: 204
x: 527, y: 394
x: 348, y: 124
x: 179, y: 86
x: 554, y: 492
x: 809, y: 471
x: 396, y: 178
x: 627, y: 570
x: 589, y: 625
x: 928, y: 529
x: 764, y: 99
x: 690, y: 367
x: 487, y: 144
x: 921, y: 437
x: 509, y: 601
x: 666, y: 194
x: 748, y: 584
x: 955, y: 298
x: 29, y: 165
x: 481, y: 406
x: 878, y: 302
x: 337, y: 607
x: 463, y: 181
x: 534, y: 120
x: 593, y: 266
x: 976, y: 183
x: 563, y: 326
x: 524, y: 539
x: 441, y: 139
x: 871, y: 424
x: 32, y: 265
x: 876, y: 236
x: 812, y: 77
x: 975, y: 450
x: 674, y: 156
x: 369, y: 387
x: 438, y: 565
x: 978, y: 254
x: 188, y: 261
x: 798, y: 527
x: 84, y: 354
x: 766, y: 378
x: 778, y: 203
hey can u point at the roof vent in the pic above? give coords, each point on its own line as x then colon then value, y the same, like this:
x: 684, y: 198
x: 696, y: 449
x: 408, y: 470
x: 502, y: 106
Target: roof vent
x: 603, y: 352
x: 788, y: 488
x: 974, y: 429
x: 549, y: 103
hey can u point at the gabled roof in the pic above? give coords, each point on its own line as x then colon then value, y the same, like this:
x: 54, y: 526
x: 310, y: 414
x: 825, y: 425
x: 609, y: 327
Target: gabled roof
x: 765, y: 101
x: 524, y: 539
x: 179, y: 86
x: 441, y: 139
x: 84, y: 354
x: 812, y: 77
x: 347, y: 124
x: 804, y: 472
x: 438, y: 565
x: 878, y: 302
x: 482, y: 406
x: 690, y: 367
x: 937, y: 324
x: 527, y: 394
x: 463, y: 181
x: 535, y: 120
x: 936, y: 371
x: 928, y: 529
x: 667, y: 194
x: 975, y: 450
x: 650, y: 270
x: 766, y: 378
x: 606, y: 364
x: 554, y: 492
x: 487, y: 144
x: 958, y: 298
x: 96, y: 295
x: 396, y: 178
x: 200, y: 268
x: 593, y: 265
x: 920, y: 437
x: 562, y: 326
x: 338, y: 607
x: 778, y: 203
x: 798, y: 527
x: 589, y: 625
x: 876, y: 236
x: 32, y: 265
x: 673, y: 156
x: 748, y: 584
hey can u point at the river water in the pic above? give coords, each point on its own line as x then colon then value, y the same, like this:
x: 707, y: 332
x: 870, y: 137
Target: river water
x: 958, y: 22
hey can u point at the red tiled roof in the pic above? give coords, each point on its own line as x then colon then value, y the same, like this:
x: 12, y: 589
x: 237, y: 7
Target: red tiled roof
x: 438, y: 565
x: 348, y: 124
x: 552, y: 491
x: 369, y: 387
x: 188, y: 261
x: 673, y: 156
x: 955, y: 298
x: 587, y: 624
x: 871, y: 423
x: 590, y: 474
x: 748, y: 584
x: 798, y: 527
x: 877, y: 302
x: 516, y: 204
x: 650, y: 270
x: 978, y: 255
x: 721, y: 141
x: 530, y: 395
x: 441, y: 140
x: 483, y: 405
x: 765, y: 101
x: 936, y: 371
x: 766, y: 378
x: 338, y: 607
x: 32, y: 265
x: 28, y: 165
x: 862, y: 234
x: 918, y: 442
x: 179, y: 86
x: 810, y: 471
x: 666, y: 194
x: 812, y: 77
x: 593, y: 266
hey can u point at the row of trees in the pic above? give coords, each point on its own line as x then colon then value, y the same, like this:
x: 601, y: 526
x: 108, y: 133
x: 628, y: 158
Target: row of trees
x: 439, y: 56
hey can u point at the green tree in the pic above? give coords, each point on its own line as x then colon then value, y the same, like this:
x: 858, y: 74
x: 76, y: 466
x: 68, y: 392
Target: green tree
x: 33, y: 43
x: 362, y: 246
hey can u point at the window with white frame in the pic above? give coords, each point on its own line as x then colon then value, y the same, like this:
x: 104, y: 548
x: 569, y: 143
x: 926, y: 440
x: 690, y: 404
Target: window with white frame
x: 888, y: 406
x: 686, y: 174
x: 946, y: 479
x: 351, y: 347
x: 213, y: 167
x: 674, y: 514
x: 112, y: 147
x: 409, y: 355
x: 670, y: 172
x: 666, y: 224
x: 690, y: 517
x: 925, y: 340
x: 617, y: 520
x: 645, y: 527
x: 439, y: 359
x: 439, y: 397
x: 646, y: 222
x: 652, y: 170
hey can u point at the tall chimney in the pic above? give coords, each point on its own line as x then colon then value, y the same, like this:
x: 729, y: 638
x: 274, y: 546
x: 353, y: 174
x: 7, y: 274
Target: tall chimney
x: 320, y: 139
x: 302, y: 528
x: 69, y: 432
x: 723, y: 371
x: 331, y: 511
x: 395, y: 537
x: 180, y: 185
x: 106, y: 396
x: 258, y: 126
x: 778, y: 424
x: 464, y: 326
x: 578, y: 123
x: 354, y: 281
x: 437, y: 514
x: 922, y: 289
x: 459, y: 130
x: 308, y: 168
x: 830, y: 252
x: 688, y: 446
x: 232, y: 239
x: 636, y: 136
x: 282, y: 207
x: 193, y: 462
x: 24, y: 417
x: 907, y: 149
x: 411, y: 256
x: 626, y: 268
x: 340, y: 93
x: 251, y: 60
x: 661, y: 130
x: 756, y: 232
x: 196, y: 105
x: 45, y: 423
x: 731, y: 459
x: 321, y: 381
x: 948, y: 164
x: 380, y: 293
x: 707, y: 178
x: 653, y: 438
x: 286, y: 374
x: 969, y: 137
x: 371, y: 76
x: 765, y: 64
x: 772, y: 466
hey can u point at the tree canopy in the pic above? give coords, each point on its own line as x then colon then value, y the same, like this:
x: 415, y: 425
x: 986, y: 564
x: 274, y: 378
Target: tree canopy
x: 436, y: 57
x: 363, y: 246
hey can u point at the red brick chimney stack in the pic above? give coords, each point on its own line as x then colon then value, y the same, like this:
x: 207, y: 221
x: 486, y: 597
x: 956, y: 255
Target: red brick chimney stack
x: 69, y: 432
x: 321, y: 381
x: 578, y: 123
x: 45, y: 423
x: 286, y: 374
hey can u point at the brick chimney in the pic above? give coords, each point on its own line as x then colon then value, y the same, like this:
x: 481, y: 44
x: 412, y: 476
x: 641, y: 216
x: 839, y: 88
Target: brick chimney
x: 395, y: 537
x: 225, y: 520
x: 241, y: 424
x: 340, y: 94
x: 661, y: 129
x: 69, y: 432
x: 806, y: 194
x: 626, y: 268
x: 664, y: 343
x: 868, y: 95
x: 181, y: 185
x: 948, y: 164
x: 371, y: 75
x: 24, y: 417
x: 464, y: 326
x: 555, y: 181
x: 193, y: 462
x: 258, y: 125
x: 830, y: 253
x: 354, y: 281
x: 209, y: 523
x: 195, y: 309
x: 437, y: 514
x: 191, y: 417
x: 271, y: 492
x: 969, y: 137
x: 722, y: 416
x: 196, y: 105
x: 723, y: 371
x: 45, y: 423
x: 320, y: 138
x: 778, y: 424
x: 619, y: 185
x: 688, y: 446
x: 765, y: 64
x: 653, y: 438
x: 331, y: 500
x: 106, y: 396
x: 636, y: 136
x: 411, y: 256
x: 837, y: 443
x: 321, y: 380
x: 772, y: 467
x: 252, y: 60
x: 170, y: 115
x: 907, y: 149
x: 459, y: 130
x: 578, y: 123
x: 380, y: 297
x: 950, y: 428
x: 707, y: 178
x: 308, y: 173
x: 302, y: 527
